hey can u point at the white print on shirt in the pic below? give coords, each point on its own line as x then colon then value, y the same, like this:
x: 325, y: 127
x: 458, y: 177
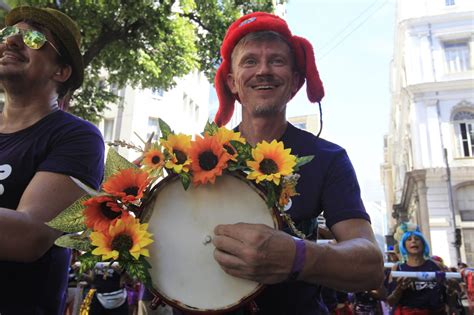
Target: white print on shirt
x: 288, y: 205
x: 5, y: 171
x: 420, y: 285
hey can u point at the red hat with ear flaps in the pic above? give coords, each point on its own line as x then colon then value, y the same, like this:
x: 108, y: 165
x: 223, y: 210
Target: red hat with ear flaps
x: 256, y: 22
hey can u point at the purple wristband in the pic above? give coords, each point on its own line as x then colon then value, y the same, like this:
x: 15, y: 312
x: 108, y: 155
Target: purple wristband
x: 298, y: 261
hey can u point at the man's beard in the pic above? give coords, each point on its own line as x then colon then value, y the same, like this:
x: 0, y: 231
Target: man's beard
x: 267, y: 110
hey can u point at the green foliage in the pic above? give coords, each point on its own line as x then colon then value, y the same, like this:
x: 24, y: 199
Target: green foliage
x: 88, y: 262
x: 71, y: 219
x: 138, y: 269
x: 115, y: 163
x: 78, y: 242
x: 300, y: 161
x: 146, y: 44
x: 211, y: 128
x: 165, y: 129
x: 185, y: 179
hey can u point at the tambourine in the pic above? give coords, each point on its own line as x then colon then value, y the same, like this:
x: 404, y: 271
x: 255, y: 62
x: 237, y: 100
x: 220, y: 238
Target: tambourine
x: 184, y: 272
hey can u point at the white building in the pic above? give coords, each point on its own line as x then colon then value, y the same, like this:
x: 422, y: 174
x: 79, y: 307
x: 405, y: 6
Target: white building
x: 185, y: 108
x: 432, y: 116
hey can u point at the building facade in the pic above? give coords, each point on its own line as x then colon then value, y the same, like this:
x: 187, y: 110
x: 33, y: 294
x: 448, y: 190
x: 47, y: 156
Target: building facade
x: 135, y: 117
x: 428, y: 172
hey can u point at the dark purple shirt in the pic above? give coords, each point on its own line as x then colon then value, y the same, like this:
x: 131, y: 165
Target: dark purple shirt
x: 59, y: 143
x: 422, y: 294
x: 327, y: 185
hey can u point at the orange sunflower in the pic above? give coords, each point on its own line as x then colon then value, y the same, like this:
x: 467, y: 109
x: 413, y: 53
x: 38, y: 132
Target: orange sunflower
x: 101, y: 211
x: 270, y: 162
x: 209, y: 159
x: 288, y: 189
x: 224, y: 136
x: 126, y: 235
x: 153, y: 159
x: 128, y: 184
x: 178, y: 147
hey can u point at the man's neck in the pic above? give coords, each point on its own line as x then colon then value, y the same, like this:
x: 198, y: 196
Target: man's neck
x: 257, y: 129
x: 22, y: 111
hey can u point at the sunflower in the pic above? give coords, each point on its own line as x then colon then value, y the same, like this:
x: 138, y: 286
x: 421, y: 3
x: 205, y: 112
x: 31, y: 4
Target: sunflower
x: 127, y: 235
x: 178, y: 147
x: 209, y: 159
x: 101, y: 211
x: 270, y: 162
x: 288, y: 189
x: 128, y: 184
x: 224, y: 136
x: 153, y: 159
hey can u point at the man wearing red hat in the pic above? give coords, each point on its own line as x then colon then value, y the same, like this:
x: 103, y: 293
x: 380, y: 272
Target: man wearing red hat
x: 263, y: 67
x: 42, y: 149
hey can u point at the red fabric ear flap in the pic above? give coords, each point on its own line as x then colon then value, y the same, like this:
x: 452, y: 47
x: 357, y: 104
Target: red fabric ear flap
x: 225, y: 96
x: 314, y: 86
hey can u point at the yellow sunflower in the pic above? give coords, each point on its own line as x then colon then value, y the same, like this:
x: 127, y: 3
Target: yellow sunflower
x: 224, y: 136
x: 128, y: 184
x: 153, y: 159
x: 288, y: 189
x: 178, y: 147
x: 126, y: 235
x: 101, y: 211
x: 270, y: 162
x: 208, y: 159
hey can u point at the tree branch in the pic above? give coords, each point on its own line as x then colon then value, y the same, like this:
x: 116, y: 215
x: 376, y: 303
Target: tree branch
x: 108, y: 36
x: 191, y: 16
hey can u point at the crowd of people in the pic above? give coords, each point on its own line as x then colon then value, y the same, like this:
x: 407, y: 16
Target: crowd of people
x: 44, y: 152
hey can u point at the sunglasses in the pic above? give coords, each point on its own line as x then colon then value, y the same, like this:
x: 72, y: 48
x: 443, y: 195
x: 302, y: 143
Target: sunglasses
x: 32, y: 38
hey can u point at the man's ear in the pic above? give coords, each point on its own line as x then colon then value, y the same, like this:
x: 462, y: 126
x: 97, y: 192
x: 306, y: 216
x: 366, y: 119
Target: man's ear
x: 63, y: 73
x: 231, y: 83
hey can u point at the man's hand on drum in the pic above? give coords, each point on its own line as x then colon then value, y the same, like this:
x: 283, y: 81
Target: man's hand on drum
x: 254, y: 251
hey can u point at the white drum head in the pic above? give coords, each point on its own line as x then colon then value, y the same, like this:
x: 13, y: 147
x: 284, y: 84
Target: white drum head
x: 184, y: 271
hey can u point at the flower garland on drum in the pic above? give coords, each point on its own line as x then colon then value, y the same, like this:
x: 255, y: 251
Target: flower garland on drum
x: 106, y: 226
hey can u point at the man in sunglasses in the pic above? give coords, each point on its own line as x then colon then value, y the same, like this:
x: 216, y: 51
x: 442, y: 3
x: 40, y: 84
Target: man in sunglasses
x: 43, y: 152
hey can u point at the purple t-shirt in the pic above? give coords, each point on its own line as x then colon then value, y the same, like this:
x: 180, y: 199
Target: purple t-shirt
x: 422, y: 294
x: 60, y: 143
x: 327, y: 184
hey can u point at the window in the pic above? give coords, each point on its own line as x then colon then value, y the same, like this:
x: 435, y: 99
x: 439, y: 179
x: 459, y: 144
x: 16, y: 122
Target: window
x: 465, y: 202
x: 108, y: 129
x: 450, y: 2
x: 464, y: 128
x: 457, y: 56
x: 153, y: 126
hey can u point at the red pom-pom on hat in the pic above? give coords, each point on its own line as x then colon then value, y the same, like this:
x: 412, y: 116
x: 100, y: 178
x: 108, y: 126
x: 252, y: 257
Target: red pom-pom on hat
x: 256, y: 22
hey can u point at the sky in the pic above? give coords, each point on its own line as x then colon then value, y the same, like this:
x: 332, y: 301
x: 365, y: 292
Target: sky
x: 353, y: 44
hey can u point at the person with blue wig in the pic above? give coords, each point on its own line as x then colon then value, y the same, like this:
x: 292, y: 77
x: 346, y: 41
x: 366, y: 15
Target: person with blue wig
x: 411, y: 296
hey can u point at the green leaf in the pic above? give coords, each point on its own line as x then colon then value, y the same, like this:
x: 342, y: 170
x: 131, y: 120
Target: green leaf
x: 164, y: 128
x: 71, y: 219
x: 244, y: 150
x: 88, y: 262
x: 138, y: 269
x: 74, y: 241
x: 115, y: 163
x: 185, y: 179
x: 211, y: 128
x: 271, y: 193
x: 300, y: 161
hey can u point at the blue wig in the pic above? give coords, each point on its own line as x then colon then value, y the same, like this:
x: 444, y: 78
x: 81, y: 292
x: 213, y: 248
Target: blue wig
x: 406, y: 235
